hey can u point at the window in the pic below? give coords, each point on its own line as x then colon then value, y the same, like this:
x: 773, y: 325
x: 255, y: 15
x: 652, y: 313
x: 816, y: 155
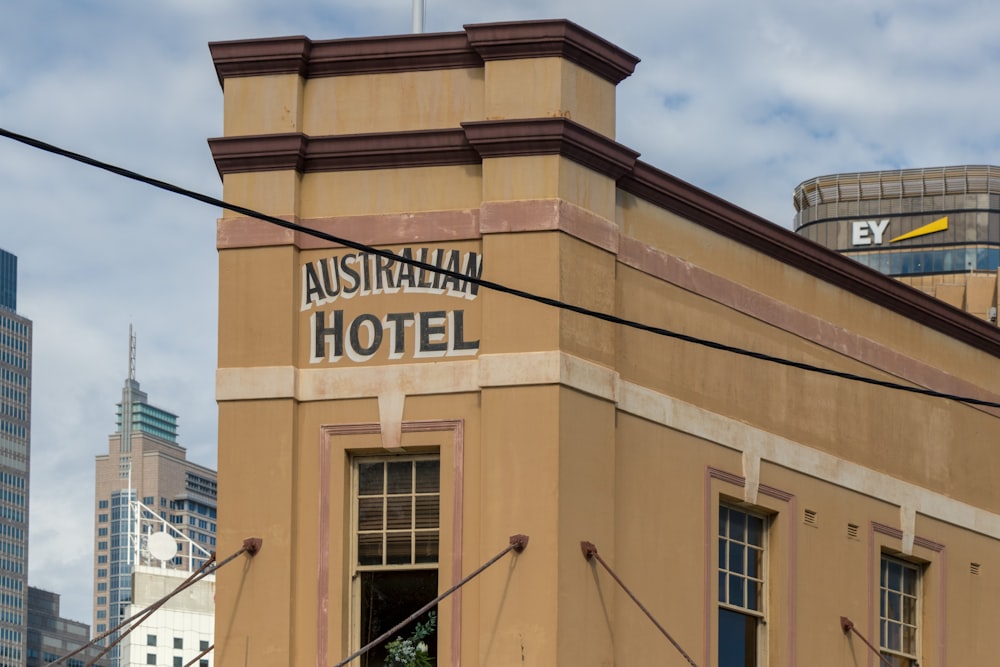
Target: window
x: 150, y: 658
x: 396, y: 520
x: 178, y: 642
x: 741, y: 587
x: 178, y: 661
x: 898, y: 611
x: 150, y: 640
x: 203, y: 645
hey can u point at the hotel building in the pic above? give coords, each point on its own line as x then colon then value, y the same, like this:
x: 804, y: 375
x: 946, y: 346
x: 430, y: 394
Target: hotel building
x: 386, y: 428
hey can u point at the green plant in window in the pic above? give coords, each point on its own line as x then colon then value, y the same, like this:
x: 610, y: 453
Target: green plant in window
x: 412, y: 652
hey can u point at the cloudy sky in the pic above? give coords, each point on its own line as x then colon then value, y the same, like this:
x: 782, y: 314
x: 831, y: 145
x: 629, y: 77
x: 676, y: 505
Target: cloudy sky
x: 742, y: 99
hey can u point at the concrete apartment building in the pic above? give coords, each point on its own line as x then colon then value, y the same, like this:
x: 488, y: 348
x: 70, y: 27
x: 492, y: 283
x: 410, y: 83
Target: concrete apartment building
x: 145, y: 474
x: 15, y: 465
x: 406, y: 423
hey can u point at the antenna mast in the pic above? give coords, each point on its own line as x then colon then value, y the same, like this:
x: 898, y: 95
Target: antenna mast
x: 418, y: 16
x: 126, y: 439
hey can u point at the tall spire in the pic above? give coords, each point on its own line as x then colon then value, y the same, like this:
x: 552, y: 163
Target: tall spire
x: 126, y: 441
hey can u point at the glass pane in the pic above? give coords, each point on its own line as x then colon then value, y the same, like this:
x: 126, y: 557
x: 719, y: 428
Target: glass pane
x: 892, y: 636
x: 909, y: 581
x: 722, y: 587
x: 753, y: 563
x: 909, y: 640
x: 755, y: 531
x: 737, y: 639
x: 736, y: 591
x: 737, y: 526
x: 910, y: 610
x: 753, y: 595
x: 723, y: 520
x: 370, y: 514
x: 399, y: 477
x: 427, y: 511
x: 370, y: 479
x: 399, y: 513
x: 426, y: 547
x: 894, y: 576
x: 723, y: 564
x: 370, y: 549
x: 386, y: 599
x: 397, y: 549
x: 894, y: 607
x: 736, y: 557
x: 428, y: 476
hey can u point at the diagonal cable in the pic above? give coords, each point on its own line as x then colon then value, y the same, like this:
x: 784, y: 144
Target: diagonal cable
x: 847, y: 625
x: 251, y: 546
x: 590, y: 553
x: 517, y: 545
x: 537, y: 298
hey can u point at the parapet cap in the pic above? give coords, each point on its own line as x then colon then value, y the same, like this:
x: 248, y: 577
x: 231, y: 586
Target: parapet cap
x: 400, y: 53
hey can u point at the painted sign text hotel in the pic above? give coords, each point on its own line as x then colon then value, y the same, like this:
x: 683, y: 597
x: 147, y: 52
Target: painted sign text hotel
x: 350, y: 300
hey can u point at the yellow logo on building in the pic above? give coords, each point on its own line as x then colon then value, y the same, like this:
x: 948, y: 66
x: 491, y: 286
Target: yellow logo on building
x: 938, y: 225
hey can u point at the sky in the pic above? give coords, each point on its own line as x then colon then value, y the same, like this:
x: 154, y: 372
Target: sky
x: 744, y: 100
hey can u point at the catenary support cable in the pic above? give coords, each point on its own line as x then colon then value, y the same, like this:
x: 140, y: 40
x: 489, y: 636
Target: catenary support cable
x: 251, y: 546
x: 590, y: 553
x: 190, y: 663
x: 555, y: 303
x: 517, y: 545
x: 848, y: 626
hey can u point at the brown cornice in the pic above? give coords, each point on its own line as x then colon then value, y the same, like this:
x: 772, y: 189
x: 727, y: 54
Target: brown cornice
x: 395, y: 53
x: 361, y: 55
x: 709, y: 211
x: 255, y: 57
x: 556, y: 37
x: 263, y: 152
x: 550, y: 136
x: 420, y: 148
x: 405, y: 53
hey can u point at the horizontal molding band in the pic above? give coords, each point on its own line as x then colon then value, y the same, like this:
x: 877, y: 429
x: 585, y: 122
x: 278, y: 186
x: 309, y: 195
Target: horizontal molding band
x: 407, y: 53
x: 422, y: 148
x: 558, y: 368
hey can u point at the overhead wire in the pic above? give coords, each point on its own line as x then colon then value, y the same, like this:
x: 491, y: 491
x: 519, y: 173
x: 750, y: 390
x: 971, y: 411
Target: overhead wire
x: 488, y: 284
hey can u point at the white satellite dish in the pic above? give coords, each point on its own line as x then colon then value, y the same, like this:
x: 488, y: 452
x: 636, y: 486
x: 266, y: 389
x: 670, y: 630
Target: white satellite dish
x: 161, y: 546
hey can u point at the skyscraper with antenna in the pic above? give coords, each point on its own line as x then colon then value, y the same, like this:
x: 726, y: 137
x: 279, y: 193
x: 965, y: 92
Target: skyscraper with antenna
x: 146, y: 485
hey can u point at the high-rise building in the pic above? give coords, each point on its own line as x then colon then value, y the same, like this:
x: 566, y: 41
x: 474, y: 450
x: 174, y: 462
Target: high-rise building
x: 936, y: 229
x: 145, y: 472
x: 50, y: 636
x: 15, y: 457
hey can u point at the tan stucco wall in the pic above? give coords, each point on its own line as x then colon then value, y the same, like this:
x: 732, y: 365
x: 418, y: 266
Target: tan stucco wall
x: 566, y: 428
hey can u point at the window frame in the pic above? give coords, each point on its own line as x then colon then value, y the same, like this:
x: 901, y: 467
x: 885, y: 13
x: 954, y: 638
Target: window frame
x: 761, y: 614
x: 356, y: 570
x: 889, y: 653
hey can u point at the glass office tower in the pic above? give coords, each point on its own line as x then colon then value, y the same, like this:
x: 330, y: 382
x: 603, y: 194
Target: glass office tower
x: 15, y: 457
